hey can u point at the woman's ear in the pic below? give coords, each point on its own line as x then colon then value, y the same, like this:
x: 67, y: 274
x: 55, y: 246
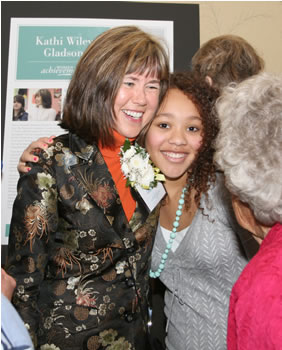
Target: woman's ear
x: 244, y: 215
x: 209, y: 80
x: 246, y: 219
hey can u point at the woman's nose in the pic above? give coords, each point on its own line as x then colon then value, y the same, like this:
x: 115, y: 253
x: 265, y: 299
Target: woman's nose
x: 139, y: 96
x: 177, y: 137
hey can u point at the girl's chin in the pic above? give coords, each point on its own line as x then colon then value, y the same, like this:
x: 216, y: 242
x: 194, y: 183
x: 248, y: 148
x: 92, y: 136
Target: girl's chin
x: 175, y: 176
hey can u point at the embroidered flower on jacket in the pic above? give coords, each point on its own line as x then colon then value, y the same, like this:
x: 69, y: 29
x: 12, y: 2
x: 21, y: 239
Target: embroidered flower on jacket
x: 44, y: 181
x: 66, y: 159
x: 49, y: 347
x: 120, y: 344
x: 137, y: 167
x: 72, y: 282
x: 83, y: 205
x: 103, y: 195
x: 36, y: 221
x: 120, y: 266
x: 108, y: 336
x: 86, y: 300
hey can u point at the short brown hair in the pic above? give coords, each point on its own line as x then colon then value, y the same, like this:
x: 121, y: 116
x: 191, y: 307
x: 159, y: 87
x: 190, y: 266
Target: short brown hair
x: 225, y: 59
x: 88, y: 109
x: 46, y: 97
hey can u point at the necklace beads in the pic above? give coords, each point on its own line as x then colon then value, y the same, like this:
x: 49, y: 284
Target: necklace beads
x: 175, y: 224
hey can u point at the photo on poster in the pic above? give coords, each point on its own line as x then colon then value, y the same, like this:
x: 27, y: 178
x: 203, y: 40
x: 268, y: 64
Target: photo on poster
x: 43, y: 104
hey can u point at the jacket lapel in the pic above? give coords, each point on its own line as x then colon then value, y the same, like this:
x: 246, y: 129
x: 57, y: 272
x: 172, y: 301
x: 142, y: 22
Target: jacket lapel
x: 93, y: 175
x: 141, y: 211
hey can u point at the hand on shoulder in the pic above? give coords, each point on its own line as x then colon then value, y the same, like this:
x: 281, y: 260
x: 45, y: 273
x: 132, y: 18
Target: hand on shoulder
x: 28, y: 154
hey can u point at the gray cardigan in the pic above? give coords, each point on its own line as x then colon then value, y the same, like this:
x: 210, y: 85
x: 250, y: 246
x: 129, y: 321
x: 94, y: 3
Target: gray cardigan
x: 200, y: 274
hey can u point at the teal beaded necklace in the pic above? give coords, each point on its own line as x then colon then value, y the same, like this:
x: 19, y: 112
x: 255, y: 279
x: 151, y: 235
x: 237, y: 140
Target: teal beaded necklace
x: 175, y: 224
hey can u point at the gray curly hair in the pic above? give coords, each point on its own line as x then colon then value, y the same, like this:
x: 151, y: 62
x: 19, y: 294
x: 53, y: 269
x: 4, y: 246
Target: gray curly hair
x: 249, y: 144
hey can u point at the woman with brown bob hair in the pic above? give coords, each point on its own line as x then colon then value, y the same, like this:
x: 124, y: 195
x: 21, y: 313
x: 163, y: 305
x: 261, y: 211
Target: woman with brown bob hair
x: 80, y: 240
x: 89, y: 105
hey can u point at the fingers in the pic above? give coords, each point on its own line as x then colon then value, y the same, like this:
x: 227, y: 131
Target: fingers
x: 22, y: 168
x: 41, y: 143
x: 28, y: 154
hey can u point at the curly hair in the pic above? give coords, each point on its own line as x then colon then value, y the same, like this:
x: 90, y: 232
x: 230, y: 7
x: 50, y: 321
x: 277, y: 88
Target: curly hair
x: 226, y: 59
x: 201, y: 174
x: 249, y: 144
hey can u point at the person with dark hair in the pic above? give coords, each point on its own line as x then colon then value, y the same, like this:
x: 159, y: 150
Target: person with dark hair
x: 248, y: 151
x: 199, y: 249
x: 226, y: 58
x: 19, y: 112
x: 80, y: 240
x: 43, y: 110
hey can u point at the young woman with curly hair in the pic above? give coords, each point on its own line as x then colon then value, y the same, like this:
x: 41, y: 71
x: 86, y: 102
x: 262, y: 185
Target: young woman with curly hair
x: 199, y: 249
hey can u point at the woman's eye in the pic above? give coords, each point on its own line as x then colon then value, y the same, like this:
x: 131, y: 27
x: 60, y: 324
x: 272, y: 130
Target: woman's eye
x: 155, y: 87
x: 193, y: 128
x: 163, y: 125
x: 128, y: 83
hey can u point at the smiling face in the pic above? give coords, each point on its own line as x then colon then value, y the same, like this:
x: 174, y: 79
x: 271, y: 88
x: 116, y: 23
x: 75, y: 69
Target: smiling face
x: 175, y: 135
x: 136, y: 103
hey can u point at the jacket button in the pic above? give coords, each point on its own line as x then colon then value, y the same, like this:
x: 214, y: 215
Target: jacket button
x: 129, y: 282
x: 128, y: 317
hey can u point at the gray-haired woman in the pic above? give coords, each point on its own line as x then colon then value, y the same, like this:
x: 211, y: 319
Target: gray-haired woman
x: 249, y: 151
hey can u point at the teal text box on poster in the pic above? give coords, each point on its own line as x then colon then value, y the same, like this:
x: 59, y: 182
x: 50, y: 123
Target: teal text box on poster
x: 7, y: 231
x: 52, y: 52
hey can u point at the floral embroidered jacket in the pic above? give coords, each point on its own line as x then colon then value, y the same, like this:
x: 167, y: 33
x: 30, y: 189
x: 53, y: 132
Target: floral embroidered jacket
x: 81, y: 268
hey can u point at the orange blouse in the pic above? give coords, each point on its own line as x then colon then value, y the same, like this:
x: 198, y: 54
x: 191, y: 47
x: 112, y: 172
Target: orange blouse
x: 112, y: 159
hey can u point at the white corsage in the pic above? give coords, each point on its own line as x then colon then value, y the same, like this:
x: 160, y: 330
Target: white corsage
x: 138, y: 168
